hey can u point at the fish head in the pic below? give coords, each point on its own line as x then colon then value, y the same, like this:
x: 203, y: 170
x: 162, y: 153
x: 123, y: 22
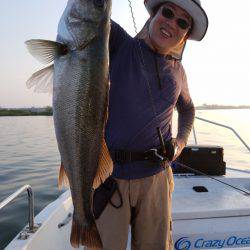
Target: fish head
x: 86, y: 18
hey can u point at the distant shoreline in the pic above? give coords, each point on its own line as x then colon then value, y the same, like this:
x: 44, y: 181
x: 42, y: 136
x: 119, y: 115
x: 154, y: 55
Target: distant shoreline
x: 221, y: 107
x: 47, y: 111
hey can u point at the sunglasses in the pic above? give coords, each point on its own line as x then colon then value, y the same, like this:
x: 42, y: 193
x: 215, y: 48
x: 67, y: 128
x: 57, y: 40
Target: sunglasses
x: 169, y: 14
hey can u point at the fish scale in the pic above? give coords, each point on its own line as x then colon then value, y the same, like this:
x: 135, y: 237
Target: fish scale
x: 80, y: 104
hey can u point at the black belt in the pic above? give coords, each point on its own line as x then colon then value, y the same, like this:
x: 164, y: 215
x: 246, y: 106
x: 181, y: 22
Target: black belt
x: 122, y: 156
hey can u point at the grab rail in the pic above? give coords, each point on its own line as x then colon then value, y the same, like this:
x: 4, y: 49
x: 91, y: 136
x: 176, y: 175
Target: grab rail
x: 31, y: 203
x: 221, y: 125
x: 195, y: 137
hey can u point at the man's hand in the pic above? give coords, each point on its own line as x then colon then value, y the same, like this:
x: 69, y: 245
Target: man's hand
x: 178, y: 147
x: 173, y: 148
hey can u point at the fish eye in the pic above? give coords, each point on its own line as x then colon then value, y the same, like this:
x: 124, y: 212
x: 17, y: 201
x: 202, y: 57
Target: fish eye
x: 99, y: 3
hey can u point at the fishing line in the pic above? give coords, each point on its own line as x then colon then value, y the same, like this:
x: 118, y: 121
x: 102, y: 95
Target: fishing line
x: 143, y: 62
x: 132, y: 14
x: 213, y: 178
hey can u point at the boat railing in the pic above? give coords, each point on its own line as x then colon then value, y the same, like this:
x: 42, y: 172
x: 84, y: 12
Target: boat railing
x: 221, y: 125
x: 27, y: 188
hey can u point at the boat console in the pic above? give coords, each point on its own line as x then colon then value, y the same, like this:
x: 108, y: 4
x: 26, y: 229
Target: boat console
x: 200, y: 160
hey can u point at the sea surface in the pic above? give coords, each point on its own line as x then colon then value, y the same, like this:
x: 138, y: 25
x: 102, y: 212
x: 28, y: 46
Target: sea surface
x: 29, y: 155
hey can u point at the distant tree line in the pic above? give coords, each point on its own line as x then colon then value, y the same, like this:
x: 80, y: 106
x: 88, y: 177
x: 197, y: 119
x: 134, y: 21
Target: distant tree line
x: 216, y: 106
x: 46, y: 111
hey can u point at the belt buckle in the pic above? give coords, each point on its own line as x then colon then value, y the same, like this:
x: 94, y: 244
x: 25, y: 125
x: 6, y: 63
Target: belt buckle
x: 153, y: 155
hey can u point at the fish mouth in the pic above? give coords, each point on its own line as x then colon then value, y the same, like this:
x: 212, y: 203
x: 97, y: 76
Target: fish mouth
x: 82, y: 19
x: 89, y: 20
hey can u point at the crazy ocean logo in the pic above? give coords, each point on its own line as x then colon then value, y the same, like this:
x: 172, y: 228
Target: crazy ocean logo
x: 182, y: 244
x: 185, y: 243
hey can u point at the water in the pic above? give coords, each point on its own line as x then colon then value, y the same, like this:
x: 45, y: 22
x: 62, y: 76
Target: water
x: 29, y: 155
x: 235, y: 153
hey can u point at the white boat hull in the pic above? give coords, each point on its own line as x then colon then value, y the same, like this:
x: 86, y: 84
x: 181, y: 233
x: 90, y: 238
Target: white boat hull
x: 218, y: 219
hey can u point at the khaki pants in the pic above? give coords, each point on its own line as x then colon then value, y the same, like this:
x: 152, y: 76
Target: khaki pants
x: 146, y: 207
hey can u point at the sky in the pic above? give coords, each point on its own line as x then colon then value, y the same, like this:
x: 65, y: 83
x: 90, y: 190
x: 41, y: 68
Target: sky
x: 217, y: 68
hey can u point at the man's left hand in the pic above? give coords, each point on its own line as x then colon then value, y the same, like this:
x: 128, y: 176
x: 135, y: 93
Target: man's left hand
x: 178, y: 145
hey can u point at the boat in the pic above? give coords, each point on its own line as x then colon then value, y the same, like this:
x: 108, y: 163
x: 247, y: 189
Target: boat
x: 209, y: 212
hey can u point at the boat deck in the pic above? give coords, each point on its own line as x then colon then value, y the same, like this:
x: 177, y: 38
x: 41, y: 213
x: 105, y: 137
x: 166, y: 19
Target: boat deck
x: 220, y: 200
x: 222, y: 214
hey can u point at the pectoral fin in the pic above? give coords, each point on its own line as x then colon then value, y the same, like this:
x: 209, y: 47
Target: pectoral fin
x: 46, y: 51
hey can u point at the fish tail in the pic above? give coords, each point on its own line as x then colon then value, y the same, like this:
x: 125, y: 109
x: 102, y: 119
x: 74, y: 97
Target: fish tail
x: 81, y: 235
x: 62, y: 177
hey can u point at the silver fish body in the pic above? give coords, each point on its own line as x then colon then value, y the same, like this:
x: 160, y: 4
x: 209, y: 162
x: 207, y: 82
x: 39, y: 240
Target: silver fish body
x: 80, y: 103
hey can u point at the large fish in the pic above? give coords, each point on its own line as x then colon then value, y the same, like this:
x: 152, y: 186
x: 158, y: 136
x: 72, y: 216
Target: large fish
x: 80, y: 77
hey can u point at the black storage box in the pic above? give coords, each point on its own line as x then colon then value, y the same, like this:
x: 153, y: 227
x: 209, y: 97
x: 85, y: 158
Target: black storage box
x: 206, y: 159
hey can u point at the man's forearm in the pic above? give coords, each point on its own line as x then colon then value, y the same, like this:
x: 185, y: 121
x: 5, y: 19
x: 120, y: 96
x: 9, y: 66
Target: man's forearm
x: 185, y: 124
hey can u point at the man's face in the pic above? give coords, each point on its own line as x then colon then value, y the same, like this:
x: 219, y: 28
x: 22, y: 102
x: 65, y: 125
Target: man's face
x: 164, y: 29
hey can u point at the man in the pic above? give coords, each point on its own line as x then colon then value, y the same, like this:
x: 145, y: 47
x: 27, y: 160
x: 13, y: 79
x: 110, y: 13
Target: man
x: 147, y: 82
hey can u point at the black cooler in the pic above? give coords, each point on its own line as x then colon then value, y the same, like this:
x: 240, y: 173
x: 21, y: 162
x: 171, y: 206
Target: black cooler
x: 206, y: 159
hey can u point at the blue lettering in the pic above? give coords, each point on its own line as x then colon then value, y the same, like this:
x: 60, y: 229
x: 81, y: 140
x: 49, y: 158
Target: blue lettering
x: 197, y: 242
x: 216, y: 244
x: 221, y: 243
x: 244, y: 241
x: 208, y: 243
x: 239, y: 241
x: 231, y: 240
